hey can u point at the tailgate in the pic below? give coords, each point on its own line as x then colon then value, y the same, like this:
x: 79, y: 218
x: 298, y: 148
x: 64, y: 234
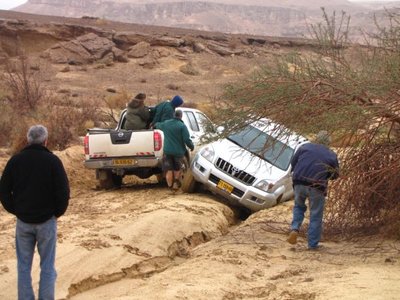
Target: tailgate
x: 121, y: 143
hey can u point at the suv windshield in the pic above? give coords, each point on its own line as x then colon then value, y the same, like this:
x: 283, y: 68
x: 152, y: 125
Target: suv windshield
x: 263, y: 145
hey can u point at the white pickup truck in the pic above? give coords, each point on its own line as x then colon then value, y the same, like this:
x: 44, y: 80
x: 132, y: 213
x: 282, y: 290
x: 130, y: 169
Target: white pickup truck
x: 115, y: 153
x: 250, y: 168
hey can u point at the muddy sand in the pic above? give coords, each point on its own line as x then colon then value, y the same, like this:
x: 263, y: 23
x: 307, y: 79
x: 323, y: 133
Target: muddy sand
x: 142, y: 242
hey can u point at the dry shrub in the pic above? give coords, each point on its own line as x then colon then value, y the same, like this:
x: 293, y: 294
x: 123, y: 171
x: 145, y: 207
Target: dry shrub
x: 365, y: 200
x: 24, y: 85
x: 100, y: 22
x: 6, y: 123
x: 172, y: 86
x: 190, y: 105
x: 26, y: 102
x: 112, y: 105
x: 66, y: 123
x: 189, y: 69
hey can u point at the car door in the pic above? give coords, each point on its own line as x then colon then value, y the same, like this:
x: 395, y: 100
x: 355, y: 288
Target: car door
x: 190, y: 120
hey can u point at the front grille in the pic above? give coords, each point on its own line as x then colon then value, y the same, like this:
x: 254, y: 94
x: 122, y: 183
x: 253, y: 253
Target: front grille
x: 214, y: 179
x: 240, y: 175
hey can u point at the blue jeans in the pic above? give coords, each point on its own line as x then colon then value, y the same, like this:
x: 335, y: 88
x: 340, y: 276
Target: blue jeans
x: 26, y: 237
x: 316, y: 201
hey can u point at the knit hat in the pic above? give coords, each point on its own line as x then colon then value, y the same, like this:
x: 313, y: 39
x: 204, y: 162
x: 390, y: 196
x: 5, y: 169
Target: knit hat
x: 177, y: 101
x: 323, y: 138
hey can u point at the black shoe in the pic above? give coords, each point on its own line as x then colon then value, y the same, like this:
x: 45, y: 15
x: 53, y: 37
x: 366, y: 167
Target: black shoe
x: 316, y: 248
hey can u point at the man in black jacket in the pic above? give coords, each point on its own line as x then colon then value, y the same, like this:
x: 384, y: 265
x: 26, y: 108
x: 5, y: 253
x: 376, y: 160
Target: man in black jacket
x: 34, y: 187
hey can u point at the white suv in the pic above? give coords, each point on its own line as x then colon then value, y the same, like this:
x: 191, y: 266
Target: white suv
x: 250, y: 168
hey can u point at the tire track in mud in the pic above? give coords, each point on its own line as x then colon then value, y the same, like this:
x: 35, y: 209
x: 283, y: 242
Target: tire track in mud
x: 145, y: 268
x: 137, y: 204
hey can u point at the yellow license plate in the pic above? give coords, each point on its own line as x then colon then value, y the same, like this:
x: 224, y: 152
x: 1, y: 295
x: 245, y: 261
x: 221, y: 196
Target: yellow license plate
x: 225, y: 186
x: 123, y: 162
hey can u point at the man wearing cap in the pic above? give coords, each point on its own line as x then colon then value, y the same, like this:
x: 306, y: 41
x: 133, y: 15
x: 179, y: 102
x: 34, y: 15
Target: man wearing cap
x: 165, y: 110
x: 313, y: 165
x: 34, y: 187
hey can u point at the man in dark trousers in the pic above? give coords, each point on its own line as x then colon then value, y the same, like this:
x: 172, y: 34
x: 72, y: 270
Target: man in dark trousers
x: 165, y: 110
x: 313, y: 165
x: 34, y: 187
x: 176, y: 138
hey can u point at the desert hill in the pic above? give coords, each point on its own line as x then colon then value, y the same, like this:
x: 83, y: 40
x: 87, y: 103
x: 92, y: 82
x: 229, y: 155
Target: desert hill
x: 275, y: 18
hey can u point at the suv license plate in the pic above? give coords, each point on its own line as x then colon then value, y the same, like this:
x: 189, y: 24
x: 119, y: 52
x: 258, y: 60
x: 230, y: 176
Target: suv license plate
x: 123, y: 162
x: 225, y: 186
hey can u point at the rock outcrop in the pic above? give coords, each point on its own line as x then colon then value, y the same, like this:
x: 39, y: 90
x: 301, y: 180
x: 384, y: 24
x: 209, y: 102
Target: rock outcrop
x: 77, y: 41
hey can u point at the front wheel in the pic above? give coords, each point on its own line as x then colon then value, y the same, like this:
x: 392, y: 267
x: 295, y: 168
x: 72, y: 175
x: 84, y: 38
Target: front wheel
x: 189, y: 184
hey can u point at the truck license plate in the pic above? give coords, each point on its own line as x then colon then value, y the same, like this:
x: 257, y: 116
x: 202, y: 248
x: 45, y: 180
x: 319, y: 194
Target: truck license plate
x: 123, y: 162
x: 225, y: 186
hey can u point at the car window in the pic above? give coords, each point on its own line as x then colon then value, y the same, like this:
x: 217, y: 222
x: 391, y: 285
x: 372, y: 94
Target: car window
x: 205, y: 124
x: 262, y: 144
x: 192, y: 121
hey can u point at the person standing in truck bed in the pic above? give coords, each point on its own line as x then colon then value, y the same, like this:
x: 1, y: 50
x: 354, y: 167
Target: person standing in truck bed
x: 137, y: 114
x: 165, y: 110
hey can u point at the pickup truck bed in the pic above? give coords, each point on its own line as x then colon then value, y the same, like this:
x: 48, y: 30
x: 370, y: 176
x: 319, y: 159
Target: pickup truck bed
x: 115, y: 153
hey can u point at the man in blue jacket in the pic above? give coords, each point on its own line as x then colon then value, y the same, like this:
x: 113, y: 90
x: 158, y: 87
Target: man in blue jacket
x: 176, y: 138
x: 312, y: 165
x: 165, y: 110
x: 34, y: 187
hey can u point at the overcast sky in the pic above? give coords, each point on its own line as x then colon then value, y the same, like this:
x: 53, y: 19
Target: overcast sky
x: 7, y: 4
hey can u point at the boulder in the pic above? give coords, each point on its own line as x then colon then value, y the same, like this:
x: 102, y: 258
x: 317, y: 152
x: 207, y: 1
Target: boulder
x: 160, y: 52
x: 199, y: 47
x: 68, y: 52
x: 119, y: 55
x: 125, y: 40
x: 222, y: 49
x: 148, y: 63
x: 139, y: 50
x: 167, y: 41
x: 108, y: 59
x: 97, y: 46
x: 85, y: 49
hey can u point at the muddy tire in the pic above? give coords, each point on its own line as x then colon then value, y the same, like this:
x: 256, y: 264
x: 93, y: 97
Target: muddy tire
x: 117, y: 180
x: 108, y: 180
x: 189, y: 185
x: 160, y: 178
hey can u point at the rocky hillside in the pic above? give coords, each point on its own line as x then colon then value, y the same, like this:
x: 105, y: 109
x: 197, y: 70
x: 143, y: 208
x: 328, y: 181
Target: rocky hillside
x: 87, y: 57
x: 284, y: 18
x: 37, y: 33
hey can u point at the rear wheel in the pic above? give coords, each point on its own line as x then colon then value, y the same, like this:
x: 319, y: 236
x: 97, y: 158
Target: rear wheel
x: 117, y: 180
x: 160, y: 178
x: 109, y: 180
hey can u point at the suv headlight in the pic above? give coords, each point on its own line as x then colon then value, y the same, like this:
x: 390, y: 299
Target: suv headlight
x: 208, y: 153
x: 264, y: 186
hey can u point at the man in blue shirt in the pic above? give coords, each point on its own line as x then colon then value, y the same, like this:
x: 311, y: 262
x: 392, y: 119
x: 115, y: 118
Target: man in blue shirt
x: 312, y: 165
